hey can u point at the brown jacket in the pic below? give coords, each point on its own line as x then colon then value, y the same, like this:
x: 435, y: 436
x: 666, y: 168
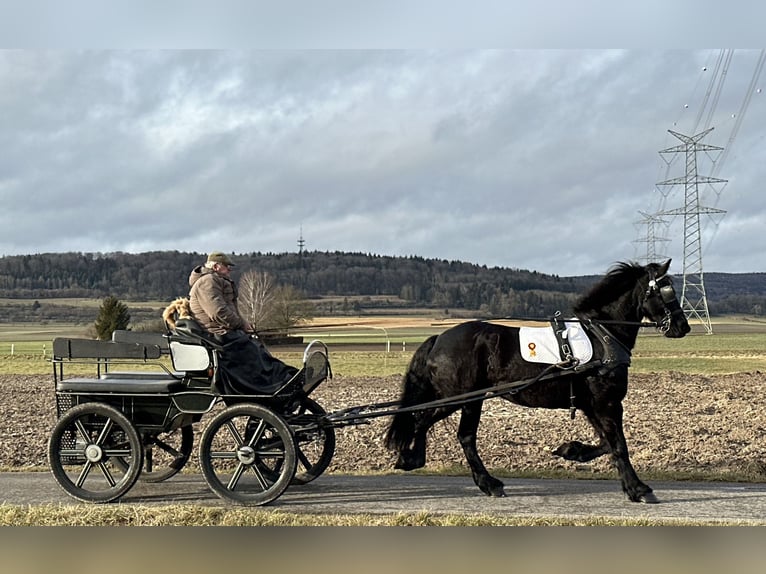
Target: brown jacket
x: 213, y: 300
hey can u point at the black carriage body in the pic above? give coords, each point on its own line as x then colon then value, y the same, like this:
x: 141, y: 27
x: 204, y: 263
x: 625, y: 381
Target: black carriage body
x: 153, y: 411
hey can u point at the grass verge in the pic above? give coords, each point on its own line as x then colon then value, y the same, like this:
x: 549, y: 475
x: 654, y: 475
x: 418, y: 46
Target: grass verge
x: 195, y: 515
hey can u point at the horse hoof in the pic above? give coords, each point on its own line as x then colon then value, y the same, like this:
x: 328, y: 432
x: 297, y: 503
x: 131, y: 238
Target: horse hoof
x: 408, y: 464
x: 646, y: 498
x: 649, y: 498
x: 494, y: 492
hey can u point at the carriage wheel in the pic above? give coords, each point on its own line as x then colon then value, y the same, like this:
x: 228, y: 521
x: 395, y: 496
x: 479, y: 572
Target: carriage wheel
x: 83, y: 450
x: 165, y: 454
x: 247, y: 454
x: 315, y: 446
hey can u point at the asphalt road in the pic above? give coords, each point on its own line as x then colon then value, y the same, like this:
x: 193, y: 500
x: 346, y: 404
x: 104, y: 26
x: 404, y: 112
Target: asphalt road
x: 390, y: 494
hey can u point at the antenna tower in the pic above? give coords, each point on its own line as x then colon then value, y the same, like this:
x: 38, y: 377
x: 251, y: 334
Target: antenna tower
x: 301, y: 244
x: 693, y: 297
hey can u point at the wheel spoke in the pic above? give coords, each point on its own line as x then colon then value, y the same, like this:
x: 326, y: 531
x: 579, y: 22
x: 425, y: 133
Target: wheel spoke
x: 81, y: 429
x: 236, y: 476
x: 118, y: 451
x: 84, y: 474
x: 270, y: 454
x: 167, y: 448
x: 257, y: 433
x: 223, y: 455
x: 259, y: 475
x: 302, y: 458
x: 105, y: 432
x: 107, y: 475
x: 234, y: 432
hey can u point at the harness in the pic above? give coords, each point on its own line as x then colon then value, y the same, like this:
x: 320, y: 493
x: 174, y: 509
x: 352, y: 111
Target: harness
x: 615, y: 353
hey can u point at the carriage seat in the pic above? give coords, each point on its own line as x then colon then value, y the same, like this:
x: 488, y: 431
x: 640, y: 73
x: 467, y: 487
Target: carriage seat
x: 119, y: 386
x: 146, y: 375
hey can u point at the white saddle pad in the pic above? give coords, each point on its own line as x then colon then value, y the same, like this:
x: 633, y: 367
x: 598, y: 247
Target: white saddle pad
x: 539, y: 345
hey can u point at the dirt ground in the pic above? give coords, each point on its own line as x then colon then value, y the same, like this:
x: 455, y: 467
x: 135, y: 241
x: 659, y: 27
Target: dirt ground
x: 673, y: 422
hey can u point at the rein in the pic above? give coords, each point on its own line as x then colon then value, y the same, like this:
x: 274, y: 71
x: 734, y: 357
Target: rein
x: 353, y: 414
x: 641, y: 324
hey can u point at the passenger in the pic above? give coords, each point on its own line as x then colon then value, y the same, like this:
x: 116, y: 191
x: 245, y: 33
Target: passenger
x: 245, y: 365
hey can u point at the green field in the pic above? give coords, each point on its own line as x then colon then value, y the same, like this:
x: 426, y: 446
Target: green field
x: 381, y: 346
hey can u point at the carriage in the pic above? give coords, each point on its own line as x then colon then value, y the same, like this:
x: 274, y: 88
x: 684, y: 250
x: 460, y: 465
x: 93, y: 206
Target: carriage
x: 131, y: 418
x: 120, y: 426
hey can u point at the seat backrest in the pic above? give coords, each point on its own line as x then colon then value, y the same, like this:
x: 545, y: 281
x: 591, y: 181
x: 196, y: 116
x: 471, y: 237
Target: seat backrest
x: 143, y: 337
x: 66, y: 348
x: 190, y: 331
x: 190, y: 357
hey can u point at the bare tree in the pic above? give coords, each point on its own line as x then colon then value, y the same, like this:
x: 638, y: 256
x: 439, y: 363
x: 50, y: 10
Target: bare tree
x: 290, y: 308
x: 256, y: 298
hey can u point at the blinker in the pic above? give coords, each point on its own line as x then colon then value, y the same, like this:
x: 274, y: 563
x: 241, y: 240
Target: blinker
x: 667, y: 293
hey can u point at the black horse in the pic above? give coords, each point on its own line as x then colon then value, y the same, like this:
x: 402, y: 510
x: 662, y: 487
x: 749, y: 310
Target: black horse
x: 478, y: 355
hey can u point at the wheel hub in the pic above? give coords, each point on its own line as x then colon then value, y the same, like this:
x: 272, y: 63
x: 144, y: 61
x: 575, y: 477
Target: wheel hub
x: 246, y: 454
x: 93, y: 453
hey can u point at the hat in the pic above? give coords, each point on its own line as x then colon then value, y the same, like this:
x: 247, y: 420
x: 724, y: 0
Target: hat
x: 219, y: 257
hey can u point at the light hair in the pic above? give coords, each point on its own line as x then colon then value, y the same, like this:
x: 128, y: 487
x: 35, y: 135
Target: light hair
x: 211, y: 264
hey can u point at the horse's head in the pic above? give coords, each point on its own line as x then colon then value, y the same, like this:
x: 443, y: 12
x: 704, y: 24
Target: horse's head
x: 661, y: 305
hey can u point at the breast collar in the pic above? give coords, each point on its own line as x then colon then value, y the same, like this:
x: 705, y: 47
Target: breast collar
x: 616, y: 354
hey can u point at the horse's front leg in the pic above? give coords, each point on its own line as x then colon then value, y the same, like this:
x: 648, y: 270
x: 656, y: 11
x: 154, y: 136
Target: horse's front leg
x: 466, y: 434
x: 607, y: 421
x: 581, y: 452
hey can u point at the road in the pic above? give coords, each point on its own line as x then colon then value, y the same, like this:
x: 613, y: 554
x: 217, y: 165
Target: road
x: 390, y: 494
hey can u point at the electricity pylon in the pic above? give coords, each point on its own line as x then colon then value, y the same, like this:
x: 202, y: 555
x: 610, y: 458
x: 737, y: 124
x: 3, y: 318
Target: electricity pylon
x: 652, y: 222
x: 693, y: 297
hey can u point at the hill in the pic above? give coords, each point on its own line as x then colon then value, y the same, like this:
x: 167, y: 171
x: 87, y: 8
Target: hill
x: 338, y: 282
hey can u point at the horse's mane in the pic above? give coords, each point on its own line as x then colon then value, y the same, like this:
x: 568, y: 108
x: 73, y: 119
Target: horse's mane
x: 620, y: 279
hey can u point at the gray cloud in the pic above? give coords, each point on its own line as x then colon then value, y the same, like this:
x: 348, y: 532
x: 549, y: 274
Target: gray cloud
x: 535, y: 159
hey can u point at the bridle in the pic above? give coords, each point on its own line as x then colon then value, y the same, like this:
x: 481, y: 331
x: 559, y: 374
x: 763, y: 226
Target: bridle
x: 660, y: 298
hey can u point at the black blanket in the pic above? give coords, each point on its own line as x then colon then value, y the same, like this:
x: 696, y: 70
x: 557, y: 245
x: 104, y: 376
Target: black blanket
x: 247, y: 367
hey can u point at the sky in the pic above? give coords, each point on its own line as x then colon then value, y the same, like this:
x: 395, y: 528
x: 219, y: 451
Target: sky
x: 530, y: 157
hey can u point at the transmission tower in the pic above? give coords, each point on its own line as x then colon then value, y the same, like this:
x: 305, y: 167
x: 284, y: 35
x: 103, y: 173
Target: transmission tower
x: 651, y: 222
x: 693, y: 298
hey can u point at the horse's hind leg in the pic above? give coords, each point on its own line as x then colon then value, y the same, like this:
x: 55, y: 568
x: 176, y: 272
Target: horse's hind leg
x: 466, y: 434
x: 413, y: 455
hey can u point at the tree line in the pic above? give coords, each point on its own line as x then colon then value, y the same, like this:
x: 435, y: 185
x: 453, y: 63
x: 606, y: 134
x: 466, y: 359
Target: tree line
x: 338, y: 282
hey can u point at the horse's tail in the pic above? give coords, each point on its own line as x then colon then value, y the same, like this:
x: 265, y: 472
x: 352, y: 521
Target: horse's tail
x: 417, y: 389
